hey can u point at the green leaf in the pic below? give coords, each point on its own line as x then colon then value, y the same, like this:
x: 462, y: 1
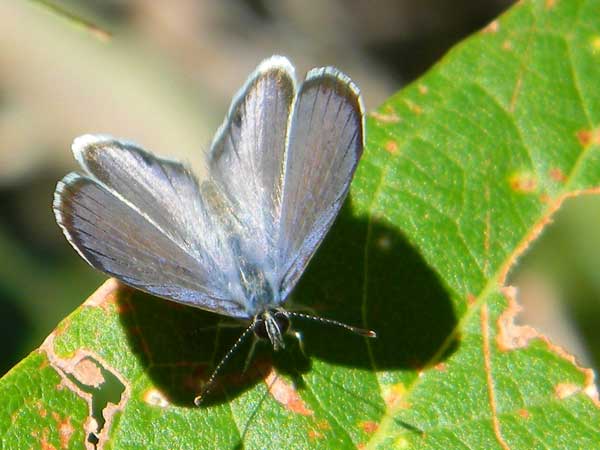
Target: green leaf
x: 462, y: 171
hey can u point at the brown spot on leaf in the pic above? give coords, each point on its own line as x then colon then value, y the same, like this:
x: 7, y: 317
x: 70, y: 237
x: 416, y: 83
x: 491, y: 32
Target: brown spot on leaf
x: 423, y: 89
x: 471, y: 299
x: 588, y: 137
x: 391, y: 147
x: 584, y: 137
x: 393, y: 396
x: 550, y: 4
x: 388, y: 115
x: 557, y: 175
x: 524, y: 413
x: 323, y: 425
x: 492, y: 27
x: 523, y: 182
x: 441, y: 366
x: 369, y: 426
x: 44, y: 444
x: 286, y: 394
x: 314, y: 434
x: 507, y: 45
x: 41, y: 410
x: 65, y: 429
x: 413, y: 106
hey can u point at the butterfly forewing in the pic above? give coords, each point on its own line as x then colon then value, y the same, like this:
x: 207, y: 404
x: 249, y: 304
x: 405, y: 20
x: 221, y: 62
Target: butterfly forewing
x: 156, y: 187
x: 247, y: 155
x: 325, y: 144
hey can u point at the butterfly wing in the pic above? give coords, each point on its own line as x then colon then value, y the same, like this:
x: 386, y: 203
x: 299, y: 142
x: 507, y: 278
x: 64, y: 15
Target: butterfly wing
x: 325, y: 144
x: 145, y: 221
x: 247, y: 155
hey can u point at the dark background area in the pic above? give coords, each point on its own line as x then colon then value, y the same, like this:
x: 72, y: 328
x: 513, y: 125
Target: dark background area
x: 165, y: 80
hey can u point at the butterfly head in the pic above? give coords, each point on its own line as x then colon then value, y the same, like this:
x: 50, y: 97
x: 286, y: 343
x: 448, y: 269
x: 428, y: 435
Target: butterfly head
x: 272, y: 324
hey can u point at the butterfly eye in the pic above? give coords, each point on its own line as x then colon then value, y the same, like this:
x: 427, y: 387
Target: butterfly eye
x: 260, y: 329
x: 278, y: 319
x: 283, y: 321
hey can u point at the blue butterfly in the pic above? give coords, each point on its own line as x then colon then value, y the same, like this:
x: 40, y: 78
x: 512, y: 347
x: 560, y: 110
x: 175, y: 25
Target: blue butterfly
x: 236, y: 242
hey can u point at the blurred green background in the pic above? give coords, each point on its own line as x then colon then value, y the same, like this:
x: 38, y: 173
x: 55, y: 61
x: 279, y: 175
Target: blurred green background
x: 165, y: 80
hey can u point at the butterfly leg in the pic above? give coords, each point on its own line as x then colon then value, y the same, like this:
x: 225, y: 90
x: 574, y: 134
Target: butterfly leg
x: 250, y: 353
x: 219, y: 325
x: 230, y: 324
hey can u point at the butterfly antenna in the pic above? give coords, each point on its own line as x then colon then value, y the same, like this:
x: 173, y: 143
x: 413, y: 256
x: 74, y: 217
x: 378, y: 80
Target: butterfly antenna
x: 356, y: 330
x: 211, y: 381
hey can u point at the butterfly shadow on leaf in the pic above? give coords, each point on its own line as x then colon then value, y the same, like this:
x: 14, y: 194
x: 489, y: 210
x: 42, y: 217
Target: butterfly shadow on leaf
x: 367, y: 274
x: 364, y: 274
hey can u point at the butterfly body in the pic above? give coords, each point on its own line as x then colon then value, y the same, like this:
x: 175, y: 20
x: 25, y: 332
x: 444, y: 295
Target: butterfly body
x: 258, y: 292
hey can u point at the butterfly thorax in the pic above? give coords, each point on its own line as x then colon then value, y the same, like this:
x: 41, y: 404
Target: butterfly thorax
x: 260, y: 299
x: 255, y: 285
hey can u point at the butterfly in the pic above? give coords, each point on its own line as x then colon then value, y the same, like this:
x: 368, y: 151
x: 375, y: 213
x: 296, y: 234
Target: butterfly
x: 237, y: 241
